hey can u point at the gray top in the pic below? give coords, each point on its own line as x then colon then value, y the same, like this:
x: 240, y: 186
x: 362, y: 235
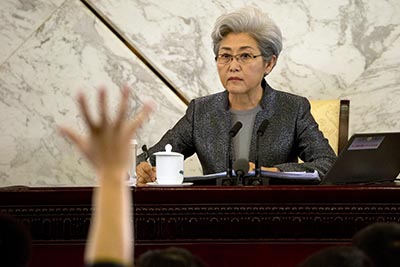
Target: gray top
x: 242, y: 141
x: 292, y: 132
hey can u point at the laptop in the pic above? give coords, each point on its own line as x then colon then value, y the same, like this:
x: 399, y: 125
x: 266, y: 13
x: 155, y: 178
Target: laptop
x: 368, y: 158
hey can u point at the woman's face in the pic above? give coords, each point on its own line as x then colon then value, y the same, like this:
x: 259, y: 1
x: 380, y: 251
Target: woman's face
x: 242, y: 78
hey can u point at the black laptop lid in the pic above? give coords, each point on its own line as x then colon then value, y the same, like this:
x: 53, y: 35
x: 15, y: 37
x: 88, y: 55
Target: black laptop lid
x: 367, y: 158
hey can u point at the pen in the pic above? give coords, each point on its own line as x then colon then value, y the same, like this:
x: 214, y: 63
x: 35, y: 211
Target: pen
x: 146, y: 152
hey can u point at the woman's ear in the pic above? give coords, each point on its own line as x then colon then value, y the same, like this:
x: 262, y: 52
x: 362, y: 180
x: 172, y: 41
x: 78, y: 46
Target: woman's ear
x: 270, y: 65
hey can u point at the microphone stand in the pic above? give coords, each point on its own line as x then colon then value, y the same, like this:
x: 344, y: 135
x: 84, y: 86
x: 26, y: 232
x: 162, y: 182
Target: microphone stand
x: 241, y: 167
x: 256, y: 163
x: 257, y: 177
x: 229, y: 159
x: 260, y: 132
x: 240, y: 177
x: 228, y: 181
x: 232, y: 133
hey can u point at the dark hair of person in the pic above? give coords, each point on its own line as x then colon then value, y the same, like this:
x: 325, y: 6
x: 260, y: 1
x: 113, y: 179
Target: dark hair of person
x: 169, y: 257
x: 338, y: 256
x: 15, y: 242
x: 381, y: 242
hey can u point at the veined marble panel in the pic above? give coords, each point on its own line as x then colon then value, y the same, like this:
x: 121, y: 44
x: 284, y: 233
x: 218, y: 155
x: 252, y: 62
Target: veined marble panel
x: 50, y: 49
x: 376, y: 101
x: 174, y: 35
x: 19, y: 19
x: 329, y: 46
x: 71, y: 51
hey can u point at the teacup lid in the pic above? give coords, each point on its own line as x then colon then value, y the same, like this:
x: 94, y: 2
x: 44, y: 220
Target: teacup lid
x: 167, y: 152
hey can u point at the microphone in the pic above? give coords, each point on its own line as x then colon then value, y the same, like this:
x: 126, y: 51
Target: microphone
x: 260, y: 132
x: 241, y: 167
x: 262, y: 127
x: 232, y: 133
x: 235, y: 129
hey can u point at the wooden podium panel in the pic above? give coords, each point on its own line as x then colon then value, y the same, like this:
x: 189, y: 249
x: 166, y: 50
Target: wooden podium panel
x: 226, y: 226
x: 247, y: 226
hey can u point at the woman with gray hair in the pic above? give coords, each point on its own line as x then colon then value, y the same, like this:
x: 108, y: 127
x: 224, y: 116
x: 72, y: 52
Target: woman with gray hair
x: 256, y: 24
x: 246, y: 44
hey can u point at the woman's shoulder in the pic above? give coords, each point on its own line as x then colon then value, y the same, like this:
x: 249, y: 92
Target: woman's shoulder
x: 289, y: 96
x: 274, y: 95
x: 215, y: 96
x: 215, y: 100
x: 286, y: 101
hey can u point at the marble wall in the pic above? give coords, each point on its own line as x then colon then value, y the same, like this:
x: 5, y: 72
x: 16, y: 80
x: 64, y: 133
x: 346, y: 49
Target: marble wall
x: 51, y: 49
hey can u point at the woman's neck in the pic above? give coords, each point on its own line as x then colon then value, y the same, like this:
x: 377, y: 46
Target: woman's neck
x: 247, y: 100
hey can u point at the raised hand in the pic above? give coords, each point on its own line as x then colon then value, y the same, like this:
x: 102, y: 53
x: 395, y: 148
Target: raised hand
x: 107, y: 144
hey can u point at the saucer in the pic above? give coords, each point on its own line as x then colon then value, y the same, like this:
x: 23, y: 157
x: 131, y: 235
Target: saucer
x: 168, y: 185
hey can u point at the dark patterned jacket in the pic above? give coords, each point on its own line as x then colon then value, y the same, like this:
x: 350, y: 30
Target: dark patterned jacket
x: 291, y: 133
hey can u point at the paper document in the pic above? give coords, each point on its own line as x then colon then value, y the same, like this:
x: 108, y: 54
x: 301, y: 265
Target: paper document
x: 305, y: 176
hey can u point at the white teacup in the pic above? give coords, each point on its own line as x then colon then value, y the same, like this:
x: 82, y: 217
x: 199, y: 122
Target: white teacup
x: 169, y: 166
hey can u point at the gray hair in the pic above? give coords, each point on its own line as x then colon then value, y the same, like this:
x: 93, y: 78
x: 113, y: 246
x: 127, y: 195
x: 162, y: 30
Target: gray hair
x: 252, y: 21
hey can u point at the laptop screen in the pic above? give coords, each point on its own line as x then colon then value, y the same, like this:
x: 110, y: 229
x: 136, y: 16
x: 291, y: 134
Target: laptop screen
x: 367, y: 158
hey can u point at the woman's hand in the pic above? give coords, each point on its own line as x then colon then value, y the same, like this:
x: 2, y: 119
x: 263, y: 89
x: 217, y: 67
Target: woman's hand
x: 252, y: 167
x: 145, y: 173
x: 107, y: 145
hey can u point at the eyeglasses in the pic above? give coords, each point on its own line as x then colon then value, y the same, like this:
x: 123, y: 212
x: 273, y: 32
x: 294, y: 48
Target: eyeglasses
x: 242, y: 58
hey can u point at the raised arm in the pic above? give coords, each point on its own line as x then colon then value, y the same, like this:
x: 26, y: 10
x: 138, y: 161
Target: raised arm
x: 107, y: 149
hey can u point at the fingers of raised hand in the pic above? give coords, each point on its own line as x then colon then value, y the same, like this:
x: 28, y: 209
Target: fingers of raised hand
x: 75, y: 138
x: 122, y: 107
x: 83, y: 106
x: 141, y: 117
x: 103, y: 107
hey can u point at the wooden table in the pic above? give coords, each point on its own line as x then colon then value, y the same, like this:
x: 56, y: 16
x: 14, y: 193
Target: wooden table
x: 226, y: 226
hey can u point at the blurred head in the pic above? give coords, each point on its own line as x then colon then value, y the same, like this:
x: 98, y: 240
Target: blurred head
x: 381, y: 242
x: 15, y: 243
x: 246, y: 45
x: 169, y: 257
x: 337, y: 257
